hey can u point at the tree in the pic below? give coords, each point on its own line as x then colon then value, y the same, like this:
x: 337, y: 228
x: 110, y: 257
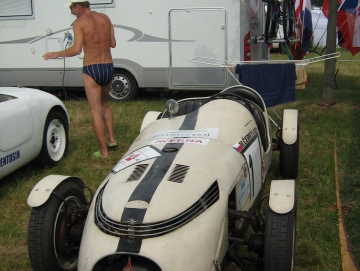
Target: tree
x: 328, y: 96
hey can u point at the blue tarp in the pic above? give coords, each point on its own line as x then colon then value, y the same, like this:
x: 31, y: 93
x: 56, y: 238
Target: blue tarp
x: 274, y: 82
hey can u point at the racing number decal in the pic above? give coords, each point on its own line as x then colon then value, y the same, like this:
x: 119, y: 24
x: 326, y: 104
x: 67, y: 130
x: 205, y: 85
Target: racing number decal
x: 251, y: 170
x: 252, y: 155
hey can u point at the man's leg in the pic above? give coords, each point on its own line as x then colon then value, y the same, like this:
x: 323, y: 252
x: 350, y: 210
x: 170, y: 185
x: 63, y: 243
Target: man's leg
x: 94, y: 96
x: 107, y: 114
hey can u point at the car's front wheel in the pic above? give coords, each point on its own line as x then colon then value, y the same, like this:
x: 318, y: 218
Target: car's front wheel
x: 279, y: 243
x: 53, y: 236
x: 55, y: 139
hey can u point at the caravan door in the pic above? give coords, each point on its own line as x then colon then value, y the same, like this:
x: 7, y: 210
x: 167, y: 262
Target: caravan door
x: 197, y: 35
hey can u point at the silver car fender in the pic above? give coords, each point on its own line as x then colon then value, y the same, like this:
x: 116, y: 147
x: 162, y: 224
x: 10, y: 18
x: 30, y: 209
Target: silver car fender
x: 43, y: 189
x: 282, y: 196
x: 289, y: 127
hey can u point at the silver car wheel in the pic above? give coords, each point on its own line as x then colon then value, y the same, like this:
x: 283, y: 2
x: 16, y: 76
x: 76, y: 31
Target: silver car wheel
x: 56, y: 140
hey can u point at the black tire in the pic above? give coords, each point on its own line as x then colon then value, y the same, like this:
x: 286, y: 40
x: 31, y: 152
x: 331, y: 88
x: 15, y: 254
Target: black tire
x: 289, y: 158
x: 48, y: 230
x: 281, y: 49
x: 272, y: 20
x: 123, y: 87
x: 288, y: 19
x: 55, y: 139
x: 279, y: 243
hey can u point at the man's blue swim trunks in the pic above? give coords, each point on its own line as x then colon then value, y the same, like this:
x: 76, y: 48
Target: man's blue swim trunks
x: 102, y: 74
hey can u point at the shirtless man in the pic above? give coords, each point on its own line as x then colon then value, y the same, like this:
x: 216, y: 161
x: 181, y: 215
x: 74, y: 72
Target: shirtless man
x: 94, y: 33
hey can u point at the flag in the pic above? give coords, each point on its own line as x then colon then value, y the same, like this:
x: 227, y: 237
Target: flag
x: 303, y: 30
x: 348, y: 24
x: 254, y: 8
x: 325, y: 7
x: 306, y: 22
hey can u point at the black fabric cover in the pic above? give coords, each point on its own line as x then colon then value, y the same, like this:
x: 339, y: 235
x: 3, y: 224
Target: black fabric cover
x: 274, y: 82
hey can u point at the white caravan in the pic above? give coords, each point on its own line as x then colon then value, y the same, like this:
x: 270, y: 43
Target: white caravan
x: 156, y: 42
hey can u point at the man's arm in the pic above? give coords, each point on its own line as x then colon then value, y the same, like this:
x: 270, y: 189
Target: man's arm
x: 113, y: 40
x: 74, y: 50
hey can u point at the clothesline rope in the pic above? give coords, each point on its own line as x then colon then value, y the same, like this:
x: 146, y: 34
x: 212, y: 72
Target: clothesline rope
x: 232, y: 64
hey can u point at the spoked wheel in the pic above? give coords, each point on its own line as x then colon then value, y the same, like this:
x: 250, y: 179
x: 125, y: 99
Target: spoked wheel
x: 279, y: 244
x: 289, y: 19
x: 55, y: 139
x: 53, y: 235
x: 272, y: 20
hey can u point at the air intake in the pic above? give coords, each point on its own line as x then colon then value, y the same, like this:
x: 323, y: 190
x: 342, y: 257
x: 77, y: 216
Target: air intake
x: 137, y: 173
x: 178, y: 174
x: 149, y: 230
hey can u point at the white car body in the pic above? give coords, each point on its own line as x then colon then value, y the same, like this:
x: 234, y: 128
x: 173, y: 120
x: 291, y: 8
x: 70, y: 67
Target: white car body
x: 174, y: 199
x: 23, y: 113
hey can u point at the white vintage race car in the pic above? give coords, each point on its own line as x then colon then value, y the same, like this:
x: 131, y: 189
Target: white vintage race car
x: 179, y: 198
x: 33, y: 125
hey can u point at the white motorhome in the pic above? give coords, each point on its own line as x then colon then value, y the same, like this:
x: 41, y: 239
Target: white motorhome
x: 156, y: 43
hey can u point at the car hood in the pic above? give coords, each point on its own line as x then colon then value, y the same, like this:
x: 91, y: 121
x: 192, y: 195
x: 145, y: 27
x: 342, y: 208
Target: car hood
x: 174, y: 162
x: 163, y: 187
x: 22, y: 91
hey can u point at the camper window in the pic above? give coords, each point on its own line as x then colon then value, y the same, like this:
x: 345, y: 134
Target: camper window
x: 22, y: 10
x: 102, y: 4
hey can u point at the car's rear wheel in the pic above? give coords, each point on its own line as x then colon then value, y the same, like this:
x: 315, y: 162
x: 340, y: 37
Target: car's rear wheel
x: 52, y: 244
x: 55, y: 139
x: 279, y: 243
x: 123, y: 87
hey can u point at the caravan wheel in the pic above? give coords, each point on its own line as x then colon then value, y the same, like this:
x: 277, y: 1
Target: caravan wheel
x: 123, y: 87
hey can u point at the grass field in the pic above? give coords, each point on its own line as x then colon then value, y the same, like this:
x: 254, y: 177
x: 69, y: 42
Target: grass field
x: 317, y: 244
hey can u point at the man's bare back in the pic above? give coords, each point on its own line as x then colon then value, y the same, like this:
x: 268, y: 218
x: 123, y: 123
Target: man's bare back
x: 93, y: 33
x: 97, y: 37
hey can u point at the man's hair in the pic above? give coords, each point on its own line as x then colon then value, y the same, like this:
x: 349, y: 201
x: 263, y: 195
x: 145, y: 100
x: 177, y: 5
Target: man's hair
x: 83, y: 4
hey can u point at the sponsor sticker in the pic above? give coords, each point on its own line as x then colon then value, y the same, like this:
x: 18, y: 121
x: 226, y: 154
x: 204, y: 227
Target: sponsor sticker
x: 201, y: 141
x: 244, y: 191
x: 8, y: 159
x: 138, y: 204
x: 139, y: 155
x: 239, y: 146
x: 211, y: 133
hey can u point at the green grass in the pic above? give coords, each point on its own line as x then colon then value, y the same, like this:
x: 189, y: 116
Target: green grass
x: 317, y: 244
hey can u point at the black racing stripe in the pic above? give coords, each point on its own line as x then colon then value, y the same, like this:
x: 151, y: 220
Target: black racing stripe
x: 147, y: 187
x: 189, y: 121
x: 129, y: 245
x: 133, y: 214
